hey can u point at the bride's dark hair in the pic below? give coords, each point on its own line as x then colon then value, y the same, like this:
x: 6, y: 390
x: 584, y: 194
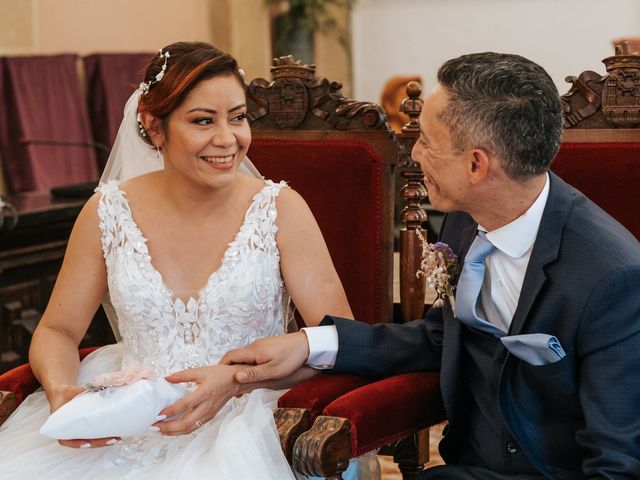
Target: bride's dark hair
x: 187, y: 65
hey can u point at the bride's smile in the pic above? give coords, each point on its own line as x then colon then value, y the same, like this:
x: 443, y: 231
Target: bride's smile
x: 211, y: 127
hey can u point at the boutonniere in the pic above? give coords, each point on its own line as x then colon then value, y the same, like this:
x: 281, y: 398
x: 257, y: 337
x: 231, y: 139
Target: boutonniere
x: 440, y: 266
x: 125, y: 376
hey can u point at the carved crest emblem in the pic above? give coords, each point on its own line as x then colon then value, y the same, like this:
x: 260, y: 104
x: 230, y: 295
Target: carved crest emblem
x: 288, y: 102
x: 621, y: 91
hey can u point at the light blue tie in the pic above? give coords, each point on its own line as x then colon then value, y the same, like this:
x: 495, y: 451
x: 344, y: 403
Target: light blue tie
x: 470, y: 284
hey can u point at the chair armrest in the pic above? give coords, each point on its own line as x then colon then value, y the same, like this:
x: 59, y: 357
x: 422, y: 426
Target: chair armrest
x: 15, y: 385
x: 7, y: 405
x: 300, y: 406
x: 388, y: 410
x: 318, y: 392
x: 366, y: 418
x: 19, y: 382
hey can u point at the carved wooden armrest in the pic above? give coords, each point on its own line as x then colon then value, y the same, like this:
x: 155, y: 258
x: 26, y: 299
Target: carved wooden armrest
x: 325, y: 449
x: 291, y: 423
x: 7, y: 405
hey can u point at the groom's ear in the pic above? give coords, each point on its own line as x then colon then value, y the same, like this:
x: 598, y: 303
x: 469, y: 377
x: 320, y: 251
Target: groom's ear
x: 478, y: 162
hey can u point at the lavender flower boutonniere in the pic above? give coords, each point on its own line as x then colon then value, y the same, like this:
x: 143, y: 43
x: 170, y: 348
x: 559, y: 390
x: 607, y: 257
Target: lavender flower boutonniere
x: 439, y: 265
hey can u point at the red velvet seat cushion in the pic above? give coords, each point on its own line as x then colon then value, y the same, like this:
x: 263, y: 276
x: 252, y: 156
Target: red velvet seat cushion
x: 21, y: 380
x: 388, y: 410
x: 315, y: 394
x: 340, y: 180
x: 607, y: 173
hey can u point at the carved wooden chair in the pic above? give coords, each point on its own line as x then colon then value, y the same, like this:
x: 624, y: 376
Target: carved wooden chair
x: 600, y: 152
x: 380, y: 412
x: 340, y: 155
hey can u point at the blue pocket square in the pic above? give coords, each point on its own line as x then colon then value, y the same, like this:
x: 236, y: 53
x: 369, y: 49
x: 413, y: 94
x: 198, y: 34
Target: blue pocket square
x: 534, y: 348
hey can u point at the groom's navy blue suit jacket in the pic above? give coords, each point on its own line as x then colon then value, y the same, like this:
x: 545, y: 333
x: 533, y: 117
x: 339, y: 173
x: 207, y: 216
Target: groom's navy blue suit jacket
x: 576, y: 418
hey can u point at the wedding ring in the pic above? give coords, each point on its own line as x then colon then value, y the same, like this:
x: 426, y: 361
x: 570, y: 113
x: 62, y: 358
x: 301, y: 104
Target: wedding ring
x: 198, y: 424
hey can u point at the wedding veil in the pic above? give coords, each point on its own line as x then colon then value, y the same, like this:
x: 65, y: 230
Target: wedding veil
x: 130, y: 157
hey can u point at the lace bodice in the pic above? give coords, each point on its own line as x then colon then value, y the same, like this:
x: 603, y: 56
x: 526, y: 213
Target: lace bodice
x: 242, y: 301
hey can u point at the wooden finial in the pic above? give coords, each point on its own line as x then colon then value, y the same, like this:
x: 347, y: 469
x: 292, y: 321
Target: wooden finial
x: 412, y: 106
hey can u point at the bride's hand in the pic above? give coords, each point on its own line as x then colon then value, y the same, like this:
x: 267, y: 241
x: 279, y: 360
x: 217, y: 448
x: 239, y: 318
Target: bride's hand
x: 216, y: 385
x: 63, y: 394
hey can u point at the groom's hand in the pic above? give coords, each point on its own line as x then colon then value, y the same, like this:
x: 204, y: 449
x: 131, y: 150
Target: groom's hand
x: 270, y: 358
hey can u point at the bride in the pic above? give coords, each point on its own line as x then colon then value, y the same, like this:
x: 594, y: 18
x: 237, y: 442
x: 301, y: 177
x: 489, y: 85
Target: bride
x: 194, y: 250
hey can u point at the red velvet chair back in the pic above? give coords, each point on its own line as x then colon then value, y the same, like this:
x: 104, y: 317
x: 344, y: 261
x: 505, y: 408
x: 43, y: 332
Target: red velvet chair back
x: 340, y: 155
x: 600, y: 151
x: 606, y: 172
x: 341, y: 181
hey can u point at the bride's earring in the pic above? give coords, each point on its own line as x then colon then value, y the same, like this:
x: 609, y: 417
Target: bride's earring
x: 157, y: 152
x: 141, y: 129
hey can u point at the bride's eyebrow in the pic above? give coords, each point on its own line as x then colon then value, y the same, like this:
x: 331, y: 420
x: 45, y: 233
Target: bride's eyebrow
x: 214, y: 112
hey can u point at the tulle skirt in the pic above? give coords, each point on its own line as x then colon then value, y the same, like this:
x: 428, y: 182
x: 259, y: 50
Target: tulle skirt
x: 240, y: 442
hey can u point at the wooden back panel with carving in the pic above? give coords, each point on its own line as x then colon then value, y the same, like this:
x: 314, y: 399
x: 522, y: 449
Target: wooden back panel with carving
x: 340, y: 155
x: 600, y: 151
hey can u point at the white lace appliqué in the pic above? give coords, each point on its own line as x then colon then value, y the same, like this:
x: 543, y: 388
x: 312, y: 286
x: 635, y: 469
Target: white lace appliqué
x: 241, y: 301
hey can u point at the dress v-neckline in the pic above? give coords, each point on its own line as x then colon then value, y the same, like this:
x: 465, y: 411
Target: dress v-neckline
x: 174, y: 299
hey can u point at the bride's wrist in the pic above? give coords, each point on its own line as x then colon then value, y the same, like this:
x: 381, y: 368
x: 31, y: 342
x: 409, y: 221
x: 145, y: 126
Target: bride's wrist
x: 60, y: 394
x: 238, y: 389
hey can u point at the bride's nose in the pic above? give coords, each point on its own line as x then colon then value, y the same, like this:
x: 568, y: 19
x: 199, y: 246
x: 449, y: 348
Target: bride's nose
x: 223, y: 136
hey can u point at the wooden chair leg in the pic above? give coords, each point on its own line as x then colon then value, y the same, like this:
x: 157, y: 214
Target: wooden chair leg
x: 325, y: 449
x: 411, y: 454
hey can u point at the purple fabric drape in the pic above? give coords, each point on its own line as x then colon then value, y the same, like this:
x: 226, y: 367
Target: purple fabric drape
x: 43, y: 103
x: 111, y: 79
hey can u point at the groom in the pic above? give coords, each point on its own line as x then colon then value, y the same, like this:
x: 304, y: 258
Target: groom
x: 540, y: 365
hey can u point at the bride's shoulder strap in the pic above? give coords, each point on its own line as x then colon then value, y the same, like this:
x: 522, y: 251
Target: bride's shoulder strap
x: 109, y: 188
x: 113, y: 211
x: 274, y: 188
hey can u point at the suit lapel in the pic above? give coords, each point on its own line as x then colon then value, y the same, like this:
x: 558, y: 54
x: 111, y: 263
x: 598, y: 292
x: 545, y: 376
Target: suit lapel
x: 453, y: 330
x: 545, y: 249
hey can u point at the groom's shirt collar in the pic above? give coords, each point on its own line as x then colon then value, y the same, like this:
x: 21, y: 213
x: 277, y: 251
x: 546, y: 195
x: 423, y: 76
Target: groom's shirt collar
x: 517, y: 237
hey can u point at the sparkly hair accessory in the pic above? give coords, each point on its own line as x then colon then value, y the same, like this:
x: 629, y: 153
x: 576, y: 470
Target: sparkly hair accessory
x: 145, y: 86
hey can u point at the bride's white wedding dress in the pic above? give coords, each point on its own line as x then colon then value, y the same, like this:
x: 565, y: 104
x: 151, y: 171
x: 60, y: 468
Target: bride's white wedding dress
x: 242, y: 301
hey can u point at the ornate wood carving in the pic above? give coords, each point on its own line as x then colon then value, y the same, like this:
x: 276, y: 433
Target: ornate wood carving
x: 412, y: 288
x: 297, y: 99
x: 7, y: 405
x: 609, y: 101
x: 291, y: 423
x: 325, y: 449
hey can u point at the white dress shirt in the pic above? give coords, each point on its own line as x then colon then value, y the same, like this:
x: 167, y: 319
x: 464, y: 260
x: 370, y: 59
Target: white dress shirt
x: 507, y: 265
x: 504, y: 275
